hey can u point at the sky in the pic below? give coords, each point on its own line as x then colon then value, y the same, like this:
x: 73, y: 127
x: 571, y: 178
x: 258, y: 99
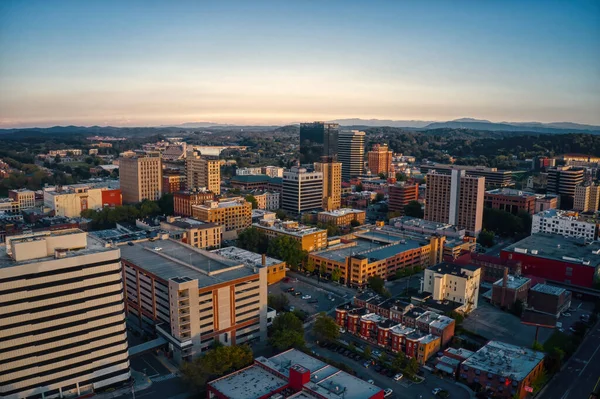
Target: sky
x: 134, y: 63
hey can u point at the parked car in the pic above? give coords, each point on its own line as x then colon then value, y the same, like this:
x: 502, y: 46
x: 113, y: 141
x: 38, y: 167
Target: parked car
x: 297, y: 293
x: 342, y: 330
x: 292, y: 308
x: 291, y: 289
x: 367, y: 364
x: 398, y: 377
x: 306, y: 296
x: 387, y: 392
x: 567, y: 314
x: 436, y: 391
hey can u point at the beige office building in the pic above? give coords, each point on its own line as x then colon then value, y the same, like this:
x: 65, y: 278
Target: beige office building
x: 140, y: 177
x: 233, y: 214
x: 193, y: 232
x: 25, y: 198
x: 62, y: 316
x: 380, y: 159
x: 456, y: 199
x: 203, y: 172
x: 332, y: 182
x: 194, y: 298
x: 586, y: 198
x: 452, y: 282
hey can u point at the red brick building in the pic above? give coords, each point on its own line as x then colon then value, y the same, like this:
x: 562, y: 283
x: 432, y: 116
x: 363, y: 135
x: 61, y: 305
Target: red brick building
x: 400, y: 195
x: 183, y: 201
x: 510, y: 289
x: 510, y: 200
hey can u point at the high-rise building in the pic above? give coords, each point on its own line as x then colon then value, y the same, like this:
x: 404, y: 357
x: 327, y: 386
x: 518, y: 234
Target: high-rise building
x: 140, y: 177
x: 456, y: 199
x: 302, y: 190
x: 400, y: 194
x: 62, y: 318
x: 493, y: 176
x: 351, y: 153
x: 586, y: 198
x: 318, y: 139
x: 380, y: 159
x: 203, y: 171
x: 332, y: 182
x: 562, y: 181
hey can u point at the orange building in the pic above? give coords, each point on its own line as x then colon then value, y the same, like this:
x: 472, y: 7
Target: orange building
x: 400, y: 195
x: 380, y: 159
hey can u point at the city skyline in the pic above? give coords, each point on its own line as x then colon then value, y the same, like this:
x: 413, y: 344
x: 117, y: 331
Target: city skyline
x: 150, y: 64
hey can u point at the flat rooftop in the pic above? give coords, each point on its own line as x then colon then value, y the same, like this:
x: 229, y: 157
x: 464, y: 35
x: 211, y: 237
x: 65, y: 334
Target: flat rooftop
x: 342, y: 385
x: 341, y: 212
x: 513, y: 282
x: 118, y: 235
x: 175, y: 259
x: 511, y: 192
x: 250, y: 383
x: 548, y: 289
x: 189, y: 223
x: 279, y: 226
x: 452, y: 268
x: 556, y: 247
x: 509, y: 361
x: 464, y: 353
x: 283, y: 361
x: 417, y: 223
x: 247, y: 257
x: 340, y: 254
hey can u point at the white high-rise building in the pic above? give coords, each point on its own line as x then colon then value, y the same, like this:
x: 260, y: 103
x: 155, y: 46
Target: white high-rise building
x: 564, y: 223
x: 302, y: 190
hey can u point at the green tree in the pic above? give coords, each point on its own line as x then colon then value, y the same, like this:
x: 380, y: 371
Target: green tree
x: 367, y: 352
x: 57, y: 159
x: 377, y: 284
x: 281, y: 214
x: 149, y: 208
x: 413, y: 208
x: 399, y: 361
x: 253, y: 240
x: 383, y: 358
x: 411, y: 368
x: 166, y: 205
x: 278, y: 302
x: 287, y: 249
x: 358, y: 188
x: 287, y: 321
x: 325, y: 328
x: 310, y: 265
x: 486, y: 238
x: 382, y: 175
x: 251, y: 199
x: 288, y: 331
x: 401, y: 176
x: 379, y: 197
x: 336, y: 274
x: 537, y: 346
x: 89, y: 160
x: 322, y: 269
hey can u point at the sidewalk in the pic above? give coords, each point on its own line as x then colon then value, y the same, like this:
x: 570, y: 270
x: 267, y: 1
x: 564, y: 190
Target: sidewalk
x: 167, y: 363
x: 141, y: 382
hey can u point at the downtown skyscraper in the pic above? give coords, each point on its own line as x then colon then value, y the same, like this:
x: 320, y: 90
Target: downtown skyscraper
x: 318, y: 139
x: 351, y: 153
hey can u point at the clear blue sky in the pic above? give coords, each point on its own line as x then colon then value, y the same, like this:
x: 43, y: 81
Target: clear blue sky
x: 157, y: 62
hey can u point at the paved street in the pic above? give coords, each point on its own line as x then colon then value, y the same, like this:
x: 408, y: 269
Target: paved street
x: 320, y: 292
x: 581, y: 373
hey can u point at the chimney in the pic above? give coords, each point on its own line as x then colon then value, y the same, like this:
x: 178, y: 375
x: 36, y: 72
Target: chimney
x: 264, y: 259
x: 504, y: 285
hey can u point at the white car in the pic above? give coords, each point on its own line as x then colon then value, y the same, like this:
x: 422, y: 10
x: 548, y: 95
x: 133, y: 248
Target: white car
x: 436, y: 391
x: 306, y: 296
x: 371, y: 382
x: 398, y: 377
x: 387, y: 392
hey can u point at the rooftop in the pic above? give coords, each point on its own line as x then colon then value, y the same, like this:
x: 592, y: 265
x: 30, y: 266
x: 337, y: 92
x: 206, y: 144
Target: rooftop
x: 189, y: 223
x: 452, y: 268
x: 402, y: 330
x: 441, y: 322
x: 548, y: 289
x: 374, y: 317
x: 250, y: 178
x: 170, y: 259
x: 511, y: 192
x: 291, y: 228
x: 428, y: 338
x: 249, y: 258
x: 250, y: 383
x: 506, y: 360
x: 556, y: 247
x: 341, y: 212
x: 462, y: 352
x: 426, y: 225
x: 513, y: 282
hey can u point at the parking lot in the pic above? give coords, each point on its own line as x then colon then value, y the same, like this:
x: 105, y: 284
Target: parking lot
x: 319, y: 296
x: 496, y: 324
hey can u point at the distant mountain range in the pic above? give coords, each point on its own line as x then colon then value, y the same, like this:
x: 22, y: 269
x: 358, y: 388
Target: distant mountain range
x: 462, y: 123
x: 476, y: 124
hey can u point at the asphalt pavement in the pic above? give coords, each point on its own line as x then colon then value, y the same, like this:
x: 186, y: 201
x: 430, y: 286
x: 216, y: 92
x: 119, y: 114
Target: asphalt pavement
x: 581, y: 374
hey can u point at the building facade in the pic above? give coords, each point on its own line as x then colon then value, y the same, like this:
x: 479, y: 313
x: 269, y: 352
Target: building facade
x: 318, y: 139
x: 586, y: 198
x: 510, y: 200
x: 203, y: 172
x: 452, y: 282
x: 140, y: 177
x: 302, y: 190
x: 456, y: 199
x: 275, y: 268
x: 62, y: 319
x: 400, y: 195
x: 311, y: 238
x: 234, y: 215
x: 193, y: 298
x: 193, y: 232
x: 342, y: 217
x: 173, y: 183
x: 183, y: 200
x: 562, y: 181
x: 380, y: 159
x: 351, y: 153
x: 332, y: 182
x: 494, y: 178
x: 71, y: 201
x: 510, y: 289
x: 25, y: 198
x: 564, y: 223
